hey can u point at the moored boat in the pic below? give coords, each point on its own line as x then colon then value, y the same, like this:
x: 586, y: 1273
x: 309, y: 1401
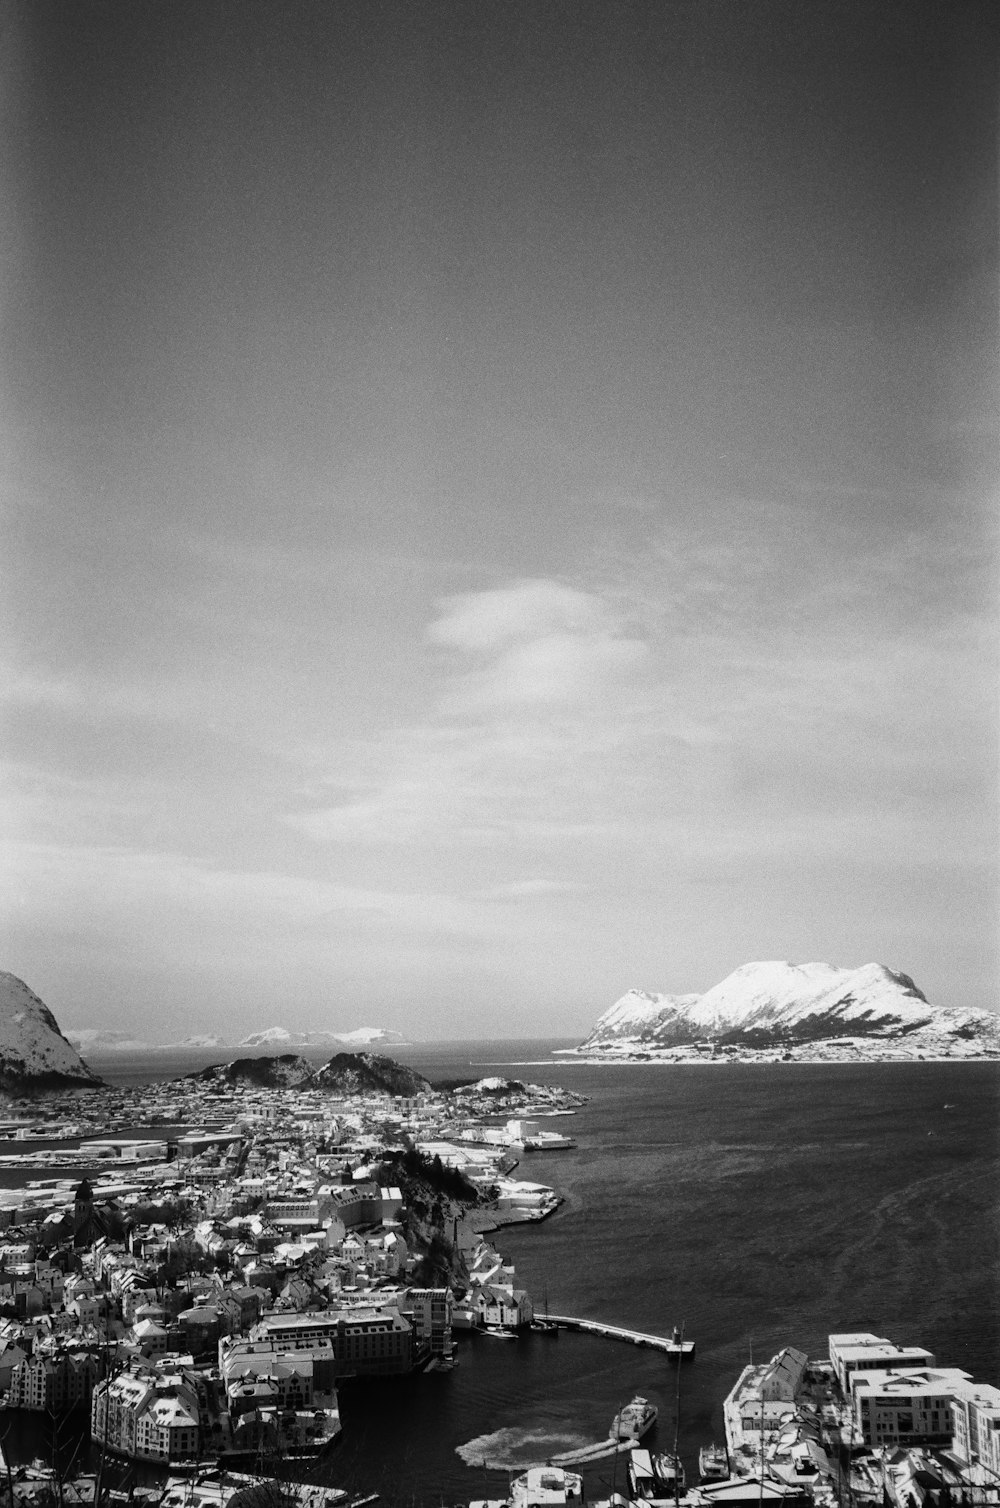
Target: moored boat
x: 654, y: 1478
x: 713, y: 1463
x: 546, y: 1487
x: 634, y: 1420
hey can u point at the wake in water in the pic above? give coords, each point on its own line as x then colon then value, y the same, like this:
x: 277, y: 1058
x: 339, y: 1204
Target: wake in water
x: 518, y: 1449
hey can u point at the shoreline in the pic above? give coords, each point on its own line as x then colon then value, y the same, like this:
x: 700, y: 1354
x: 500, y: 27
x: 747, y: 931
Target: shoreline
x: 568, y: 1055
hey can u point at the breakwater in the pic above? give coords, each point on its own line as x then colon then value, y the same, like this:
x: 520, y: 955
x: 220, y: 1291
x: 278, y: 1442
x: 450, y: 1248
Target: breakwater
x: 674, y: 1345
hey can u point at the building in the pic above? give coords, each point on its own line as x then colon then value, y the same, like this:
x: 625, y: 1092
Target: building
x: 366, y: 1342
x: 54, y: 1381
x: 430, y: 1311
x: 147, y: 1416
x: 897, y: 1409
x: 861, y: 1351
x: 975, y: 1418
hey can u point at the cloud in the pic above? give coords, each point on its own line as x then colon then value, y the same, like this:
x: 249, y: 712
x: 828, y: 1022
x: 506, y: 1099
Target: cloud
x: 526, y: 609
x: 536, y: 643
x: 108, y: 885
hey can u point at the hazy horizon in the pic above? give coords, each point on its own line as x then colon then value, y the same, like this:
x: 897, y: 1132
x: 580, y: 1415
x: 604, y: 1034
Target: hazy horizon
x: 500, y: 506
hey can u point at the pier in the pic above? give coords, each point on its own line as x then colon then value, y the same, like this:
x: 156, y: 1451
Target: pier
x: 674, y: 1345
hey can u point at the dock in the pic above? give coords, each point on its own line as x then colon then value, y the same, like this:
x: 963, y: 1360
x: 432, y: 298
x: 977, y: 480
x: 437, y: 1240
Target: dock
x: 674, y: 1345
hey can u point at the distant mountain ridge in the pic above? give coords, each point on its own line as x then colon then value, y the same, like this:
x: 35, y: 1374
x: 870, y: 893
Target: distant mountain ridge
x: 34, y: 1054
x: 102, y: 1042
x: 786, y: 1005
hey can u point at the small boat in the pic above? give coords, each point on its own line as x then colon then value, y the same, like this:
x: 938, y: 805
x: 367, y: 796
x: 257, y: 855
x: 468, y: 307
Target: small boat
x: 499, y: 1332
x: 654, y: 1478
x: 634, y: 1420
x: 713, y: 1463
x: 541, y: 1323
x: 546, y: 1487
x: 669, y: 1473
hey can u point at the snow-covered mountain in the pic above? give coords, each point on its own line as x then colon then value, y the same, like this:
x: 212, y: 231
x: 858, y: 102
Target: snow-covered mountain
x: 787, y: 1005
x: 279, y: 1036
x: 95, y: 1039
x: 100, y: 1042
x: 34, y: 1054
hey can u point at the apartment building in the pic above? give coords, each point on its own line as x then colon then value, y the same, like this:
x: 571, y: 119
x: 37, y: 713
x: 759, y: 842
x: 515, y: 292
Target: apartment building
x: 898, y: 1408
x: 55, y: 1380
x: 147, y: 1416
x: 975, y: 1417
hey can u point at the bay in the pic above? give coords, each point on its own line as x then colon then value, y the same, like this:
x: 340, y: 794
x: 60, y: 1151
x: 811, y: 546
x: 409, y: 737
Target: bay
x: 759, y: 1205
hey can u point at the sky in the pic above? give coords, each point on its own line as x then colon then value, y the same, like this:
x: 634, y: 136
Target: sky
x: 499, y: 505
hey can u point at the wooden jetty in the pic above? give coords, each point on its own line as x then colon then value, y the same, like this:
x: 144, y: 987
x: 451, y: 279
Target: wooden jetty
x: 674, y: 1345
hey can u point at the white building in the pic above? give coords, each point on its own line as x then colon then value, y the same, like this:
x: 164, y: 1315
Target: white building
x: 898, y: 1408
x: 975, y: 1416
x: 860, y: 1351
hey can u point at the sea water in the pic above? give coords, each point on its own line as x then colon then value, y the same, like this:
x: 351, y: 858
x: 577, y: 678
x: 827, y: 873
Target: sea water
x: 759, y: 1206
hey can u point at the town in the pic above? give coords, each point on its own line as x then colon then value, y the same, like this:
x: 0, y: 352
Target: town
x: 204, y: 1291
x: 238, y: 1251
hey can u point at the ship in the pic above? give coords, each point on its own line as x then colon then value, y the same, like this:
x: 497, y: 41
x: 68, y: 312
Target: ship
x: 634, y: 1420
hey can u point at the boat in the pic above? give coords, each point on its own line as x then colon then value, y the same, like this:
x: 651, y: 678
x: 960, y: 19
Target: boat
x: 546, y: 1487
x: 634, y: 1420
x: 499, y: 1332
x: 669, y: 1473
x: 541, y: 1324
x: 713, y: 1463
x: 547, y: 1141
x: 654, y: 1478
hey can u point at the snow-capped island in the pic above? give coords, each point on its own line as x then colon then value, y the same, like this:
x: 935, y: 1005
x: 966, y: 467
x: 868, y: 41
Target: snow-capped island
x: 776, y: 1011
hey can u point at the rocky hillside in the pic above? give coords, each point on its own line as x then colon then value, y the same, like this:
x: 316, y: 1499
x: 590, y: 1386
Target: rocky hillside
x: 784, y: 1005
x: 367, y: 1073
x: 286, y: 1071
x: 34, y: 1054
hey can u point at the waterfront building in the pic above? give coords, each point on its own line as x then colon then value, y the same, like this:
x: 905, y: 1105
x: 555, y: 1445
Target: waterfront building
x: 54, y: 1380
x: 861, y: 1351
x: 898, y: 1408
x: 761, y: 1406
x: 366, y: 1341
x: 123, y: 1149
x: 431, y: 1316
x: 975, y: 1415
x: 147, y: 1416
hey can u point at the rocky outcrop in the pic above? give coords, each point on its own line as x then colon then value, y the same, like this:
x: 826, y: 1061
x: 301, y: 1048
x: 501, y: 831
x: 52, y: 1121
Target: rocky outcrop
x: 34, y: 1054
x: 346, y: 1073
x: 785, y: 1005
x: 286, y: 1071
x: 367, y: 1073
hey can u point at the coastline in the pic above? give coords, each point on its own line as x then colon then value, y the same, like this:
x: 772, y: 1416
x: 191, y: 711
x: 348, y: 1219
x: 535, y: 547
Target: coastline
x: 570, y: 1055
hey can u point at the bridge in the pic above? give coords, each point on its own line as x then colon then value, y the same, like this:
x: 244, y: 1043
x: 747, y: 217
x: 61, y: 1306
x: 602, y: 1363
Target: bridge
x: 674, y: 1345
